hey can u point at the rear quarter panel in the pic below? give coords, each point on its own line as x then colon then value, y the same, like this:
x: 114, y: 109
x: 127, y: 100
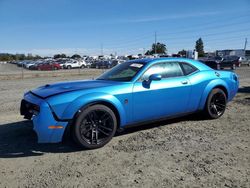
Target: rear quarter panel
x: 199, y: 82
x: 205, y: 81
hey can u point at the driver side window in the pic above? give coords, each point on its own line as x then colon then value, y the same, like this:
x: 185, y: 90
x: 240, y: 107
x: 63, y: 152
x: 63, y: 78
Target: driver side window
x: 166, y: 70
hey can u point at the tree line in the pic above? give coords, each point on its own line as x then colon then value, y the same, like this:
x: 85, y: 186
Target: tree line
x: 21, y: 57
x: 161, y: 48
x: 17, y: 57
x: 158, y: 48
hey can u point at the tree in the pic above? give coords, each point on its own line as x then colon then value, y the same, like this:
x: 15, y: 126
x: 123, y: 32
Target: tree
x: 158, y: 48
x: 56, y: 56
x: 199, y: 47
x: 183, y: 53
x: 17, y: 57
x: 75, y: 56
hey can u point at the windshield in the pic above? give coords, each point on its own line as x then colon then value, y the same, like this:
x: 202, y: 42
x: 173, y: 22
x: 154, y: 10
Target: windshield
x: 124, y: 72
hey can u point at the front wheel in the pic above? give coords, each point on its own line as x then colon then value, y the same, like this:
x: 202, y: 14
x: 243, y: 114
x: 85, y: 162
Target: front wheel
x: 216, y: 104
x: 95, y: 127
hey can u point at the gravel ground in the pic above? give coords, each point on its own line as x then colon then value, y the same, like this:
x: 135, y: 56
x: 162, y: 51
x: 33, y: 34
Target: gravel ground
x: 184, y: 152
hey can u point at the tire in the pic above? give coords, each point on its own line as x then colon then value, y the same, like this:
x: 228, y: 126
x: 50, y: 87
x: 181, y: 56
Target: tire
x: 215, y: 104
x: 233, y: 67
x: 218, y: 66
x: 69, y: 67
x: 94, y: 127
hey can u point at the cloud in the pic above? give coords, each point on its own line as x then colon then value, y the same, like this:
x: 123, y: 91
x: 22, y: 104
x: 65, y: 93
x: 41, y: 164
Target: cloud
x: 167, y: 17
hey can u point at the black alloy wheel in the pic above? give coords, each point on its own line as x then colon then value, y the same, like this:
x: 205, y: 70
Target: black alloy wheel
x: 95, y: 127
x: 216, y: 104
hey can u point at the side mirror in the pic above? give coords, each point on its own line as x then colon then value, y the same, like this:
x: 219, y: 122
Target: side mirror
x: 155, y: 77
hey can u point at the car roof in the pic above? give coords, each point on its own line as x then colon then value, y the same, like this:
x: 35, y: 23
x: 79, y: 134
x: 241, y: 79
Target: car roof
x: 198, y: 64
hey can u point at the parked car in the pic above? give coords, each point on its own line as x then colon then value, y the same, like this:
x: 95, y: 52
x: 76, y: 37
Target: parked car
x: 74, y: 64
x: 93, y: 63
x: 103, y: 65
x: 48, y: 66
x: 34, y: 67
x: 131, y: 93
x: 31, y: 63
x: 230, y: 62
x: 116, y: 62
x: 244, y: 61
x: 213, y: 62
x: 22, y: 63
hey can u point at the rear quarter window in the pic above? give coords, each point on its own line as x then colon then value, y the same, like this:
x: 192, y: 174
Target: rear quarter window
x: 188, y: 69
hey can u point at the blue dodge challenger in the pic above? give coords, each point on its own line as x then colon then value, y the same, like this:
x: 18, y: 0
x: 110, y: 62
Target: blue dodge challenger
x: 131, y: 93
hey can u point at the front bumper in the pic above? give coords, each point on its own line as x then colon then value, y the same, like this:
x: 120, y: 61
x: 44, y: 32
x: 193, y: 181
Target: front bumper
x: 48, y: 128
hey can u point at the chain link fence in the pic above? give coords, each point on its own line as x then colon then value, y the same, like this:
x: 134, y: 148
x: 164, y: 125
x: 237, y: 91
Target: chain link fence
x: 12, y: 71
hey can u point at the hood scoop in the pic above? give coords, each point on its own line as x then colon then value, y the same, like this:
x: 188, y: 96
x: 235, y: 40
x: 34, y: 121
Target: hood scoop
x: 57, y: 88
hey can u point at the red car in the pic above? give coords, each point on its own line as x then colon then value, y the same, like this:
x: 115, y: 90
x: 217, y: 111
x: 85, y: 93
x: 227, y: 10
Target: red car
x: 48, y: 66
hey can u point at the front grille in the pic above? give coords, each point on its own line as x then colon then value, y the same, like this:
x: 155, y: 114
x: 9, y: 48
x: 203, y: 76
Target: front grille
x: 28, y: 109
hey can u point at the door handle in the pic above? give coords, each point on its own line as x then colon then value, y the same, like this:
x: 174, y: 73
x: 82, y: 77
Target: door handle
x: 184, y: 82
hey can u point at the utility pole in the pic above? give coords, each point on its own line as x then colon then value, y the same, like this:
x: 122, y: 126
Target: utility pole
x: 155, y: 41
x: 245, y: 46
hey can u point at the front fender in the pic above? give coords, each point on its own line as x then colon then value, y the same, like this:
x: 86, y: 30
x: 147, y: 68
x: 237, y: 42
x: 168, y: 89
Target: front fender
x: 212, y: 84
x: 86, y: 99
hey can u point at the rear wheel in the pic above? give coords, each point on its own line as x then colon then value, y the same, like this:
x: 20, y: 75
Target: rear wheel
x: 95, y: 127
x: 216, y: 104
x: 68, y: 67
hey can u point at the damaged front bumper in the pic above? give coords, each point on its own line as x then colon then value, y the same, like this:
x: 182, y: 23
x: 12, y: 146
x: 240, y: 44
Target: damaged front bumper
x: 48, y: 127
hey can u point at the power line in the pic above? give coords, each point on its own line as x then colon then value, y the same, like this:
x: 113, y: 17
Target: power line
x: 190, y: 29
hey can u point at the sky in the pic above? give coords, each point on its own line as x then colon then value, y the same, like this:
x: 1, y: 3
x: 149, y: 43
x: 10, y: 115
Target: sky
x: 93, y: 27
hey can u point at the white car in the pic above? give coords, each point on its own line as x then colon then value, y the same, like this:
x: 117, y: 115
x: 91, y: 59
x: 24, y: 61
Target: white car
x: 75, y: 64
x: 28, y: 64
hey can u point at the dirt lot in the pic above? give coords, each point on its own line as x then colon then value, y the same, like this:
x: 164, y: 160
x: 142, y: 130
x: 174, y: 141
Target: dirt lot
x: 185, y: 152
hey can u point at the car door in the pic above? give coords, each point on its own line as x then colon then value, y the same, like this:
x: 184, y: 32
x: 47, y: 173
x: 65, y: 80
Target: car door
x: 76, y: 64
x: 166, y: 97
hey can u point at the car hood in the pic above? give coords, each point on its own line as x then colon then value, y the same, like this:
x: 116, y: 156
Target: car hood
x: 62, y: 87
